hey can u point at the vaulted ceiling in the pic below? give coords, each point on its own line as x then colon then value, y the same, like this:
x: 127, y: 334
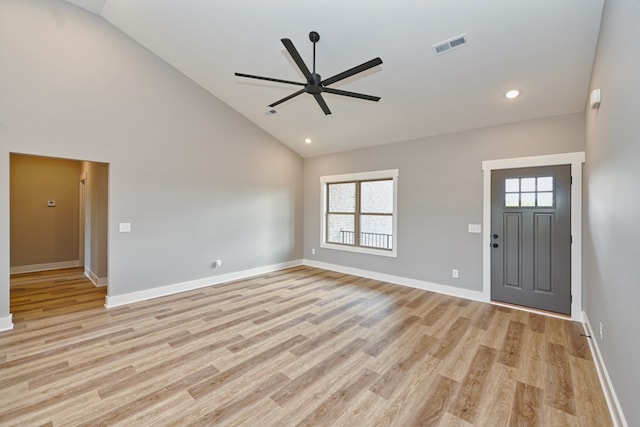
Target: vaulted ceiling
x: 543, y: 48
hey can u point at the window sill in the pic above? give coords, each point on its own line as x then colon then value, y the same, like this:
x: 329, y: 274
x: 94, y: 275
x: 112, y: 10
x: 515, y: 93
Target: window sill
x: 358, y: 249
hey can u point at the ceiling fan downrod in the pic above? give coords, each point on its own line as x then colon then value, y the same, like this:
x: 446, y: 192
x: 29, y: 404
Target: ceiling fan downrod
x: 314, y: 37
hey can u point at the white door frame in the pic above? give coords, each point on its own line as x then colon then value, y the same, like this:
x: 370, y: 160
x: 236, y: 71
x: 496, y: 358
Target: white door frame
x: 81, y: 216
x: 575, y: 160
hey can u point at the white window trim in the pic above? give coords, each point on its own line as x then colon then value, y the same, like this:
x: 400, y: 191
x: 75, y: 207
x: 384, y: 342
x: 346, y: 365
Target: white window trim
x: 362, y: 176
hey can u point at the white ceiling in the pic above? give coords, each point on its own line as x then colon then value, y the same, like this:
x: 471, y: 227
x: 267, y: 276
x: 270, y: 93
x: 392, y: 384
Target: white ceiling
x: 544, y: 48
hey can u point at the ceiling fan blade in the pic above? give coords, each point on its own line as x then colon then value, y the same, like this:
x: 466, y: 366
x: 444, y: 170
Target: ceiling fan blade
x: 269, y: 79
x: 351, y: 94
x: 297, y: 58
x: 355, y: 70
x: 322, y: 104
x: 286, y: 98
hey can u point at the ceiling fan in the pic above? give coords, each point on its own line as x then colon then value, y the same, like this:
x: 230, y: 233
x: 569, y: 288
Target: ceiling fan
x: 314, y: 84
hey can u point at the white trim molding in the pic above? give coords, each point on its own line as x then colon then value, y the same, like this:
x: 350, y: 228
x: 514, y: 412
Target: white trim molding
x: 44, y: 267
x: 399, y: 280
x: 6, y: 323
x: 360, y: 176
x: 161, y: 291
x: 617, y: 416
x: 575, y: 160
x: 97, y: 281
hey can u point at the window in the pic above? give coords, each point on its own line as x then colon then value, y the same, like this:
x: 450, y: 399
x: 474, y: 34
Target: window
x: 359, y: 212
x: 528, y: 192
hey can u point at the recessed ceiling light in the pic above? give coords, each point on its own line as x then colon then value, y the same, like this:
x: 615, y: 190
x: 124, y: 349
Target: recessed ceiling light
x: 513, y: 93
x: 307, y: 140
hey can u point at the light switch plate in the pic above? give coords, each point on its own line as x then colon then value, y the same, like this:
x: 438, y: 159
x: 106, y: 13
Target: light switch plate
x: 475, y: 228
x: 124, y: 227
x: 51, y: 203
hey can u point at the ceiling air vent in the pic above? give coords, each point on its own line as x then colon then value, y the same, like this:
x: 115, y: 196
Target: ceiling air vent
x: 447, y: 45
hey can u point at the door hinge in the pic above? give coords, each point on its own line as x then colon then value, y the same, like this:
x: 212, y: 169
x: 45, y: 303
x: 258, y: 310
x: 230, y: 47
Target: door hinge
x: 570, y: 298
x: 571, y: 179
x: 571, y: 239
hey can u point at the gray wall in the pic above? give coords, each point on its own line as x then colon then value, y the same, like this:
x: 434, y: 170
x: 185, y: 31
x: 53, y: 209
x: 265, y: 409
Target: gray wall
x: 41, y: 234
x: 439, y: 193
x: 196, y: 180
x: 611, y: 233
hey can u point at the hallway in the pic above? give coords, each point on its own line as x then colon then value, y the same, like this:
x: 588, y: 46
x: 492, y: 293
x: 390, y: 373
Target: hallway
x: 36, y: 296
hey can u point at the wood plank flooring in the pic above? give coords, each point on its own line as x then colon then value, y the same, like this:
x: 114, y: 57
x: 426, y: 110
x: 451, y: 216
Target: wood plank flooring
x: 298, y: 347
x: 53, y: 293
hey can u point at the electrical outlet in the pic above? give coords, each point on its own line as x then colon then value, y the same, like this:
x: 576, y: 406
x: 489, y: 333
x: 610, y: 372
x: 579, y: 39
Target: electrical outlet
x: 454, y: 273
x: 313, y: 251
x: 217, y: 263
x: 600, y: 330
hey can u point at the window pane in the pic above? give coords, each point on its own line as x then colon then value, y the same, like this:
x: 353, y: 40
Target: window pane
x: 341, y: 229
x: 528, y: 199
x: 376, y: 231
x: 545, y: 183
x: 342, y: 197
x: 545, y: 199
x: 376, y: 196
x: 528, y: 184
x: 512, y: 200
x: 512, y: 185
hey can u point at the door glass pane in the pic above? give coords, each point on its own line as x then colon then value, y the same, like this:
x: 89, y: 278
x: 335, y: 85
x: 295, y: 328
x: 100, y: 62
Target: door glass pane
x: 341, y: 229
x: 545, y: 183
x: 512, y: 200
x: 528, y: 184
x: 512, y: 185
x: 342, y: 197
x: 376, y: 196
x: 376, y: 231
x: 528, y: 199
x: 545, y: 199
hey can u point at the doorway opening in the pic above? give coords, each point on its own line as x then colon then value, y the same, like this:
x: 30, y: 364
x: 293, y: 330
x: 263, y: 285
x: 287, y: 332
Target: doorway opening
x: 58, y: 229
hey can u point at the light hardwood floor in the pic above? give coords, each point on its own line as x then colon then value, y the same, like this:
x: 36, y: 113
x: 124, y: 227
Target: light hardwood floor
x: 301, y: 346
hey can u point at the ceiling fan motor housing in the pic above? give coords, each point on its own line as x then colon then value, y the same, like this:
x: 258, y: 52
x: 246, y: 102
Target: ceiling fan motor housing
x: 315, y: 85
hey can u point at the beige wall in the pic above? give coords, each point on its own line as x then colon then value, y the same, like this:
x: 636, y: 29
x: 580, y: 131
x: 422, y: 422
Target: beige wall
x: 41, y: 234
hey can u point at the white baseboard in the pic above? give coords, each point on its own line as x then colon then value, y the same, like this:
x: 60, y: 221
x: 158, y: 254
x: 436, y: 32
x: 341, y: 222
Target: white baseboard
x: 399, y: 280
x: 613, y: 403
x: 6, y: 323
x: 131, y: 297
x: 97, y: 281
x: 43, y: 267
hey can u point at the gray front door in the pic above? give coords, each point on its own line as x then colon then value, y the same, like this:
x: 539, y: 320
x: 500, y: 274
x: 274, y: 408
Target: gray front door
x: 531, y: 237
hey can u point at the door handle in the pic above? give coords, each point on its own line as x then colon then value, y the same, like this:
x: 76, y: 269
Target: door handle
x: 495, y: 245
